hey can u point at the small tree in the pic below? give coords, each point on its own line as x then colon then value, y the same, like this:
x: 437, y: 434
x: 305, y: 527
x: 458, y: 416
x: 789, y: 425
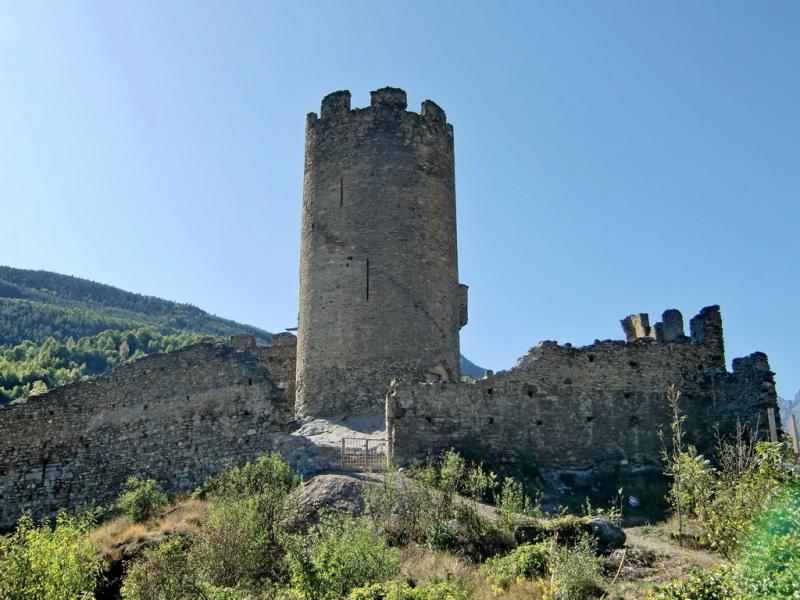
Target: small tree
x: 141, y: 499
x: 50, y: 562
x: 162, y: 572
x: 342, y: 554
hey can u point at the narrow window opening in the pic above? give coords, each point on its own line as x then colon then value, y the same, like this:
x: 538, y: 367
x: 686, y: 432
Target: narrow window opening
x: 589, y: 419
x: 627, y: 394
x: 539, y: 422
x: 633, y: 363
x: 428, y: 419
x: 591, y: 358
x: 489, y: 391
x: 341, y: 192
x: 367, y: 290
x: 491, y: 420
x: 530, y: 393
x: 249, y: 382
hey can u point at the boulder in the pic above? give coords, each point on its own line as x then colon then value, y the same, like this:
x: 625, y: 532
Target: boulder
x: 329, y: 493
x: 607, y: 535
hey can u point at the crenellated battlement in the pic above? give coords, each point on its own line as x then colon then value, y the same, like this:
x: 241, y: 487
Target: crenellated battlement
x: 386, y: 100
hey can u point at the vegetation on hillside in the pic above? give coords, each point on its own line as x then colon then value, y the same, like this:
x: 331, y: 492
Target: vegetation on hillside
x: 422, y: 537
x: 35, y: 305
x: 28, y: 368
x: 746, y: 506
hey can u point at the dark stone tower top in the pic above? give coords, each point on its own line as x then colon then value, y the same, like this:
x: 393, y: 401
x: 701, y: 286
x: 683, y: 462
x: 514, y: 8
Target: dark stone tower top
x: 379, y: 291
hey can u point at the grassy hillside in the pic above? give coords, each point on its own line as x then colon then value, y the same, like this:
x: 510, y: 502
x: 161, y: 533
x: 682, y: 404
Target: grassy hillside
x: 35, y: 305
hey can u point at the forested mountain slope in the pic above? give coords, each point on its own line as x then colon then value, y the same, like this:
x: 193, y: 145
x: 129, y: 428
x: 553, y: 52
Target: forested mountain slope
x: 57, y: 328
x: 35, y: 305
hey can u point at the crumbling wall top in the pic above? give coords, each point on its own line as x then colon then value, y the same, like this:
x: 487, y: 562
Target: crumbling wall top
x: 389, y: 97
x: 386, y: 99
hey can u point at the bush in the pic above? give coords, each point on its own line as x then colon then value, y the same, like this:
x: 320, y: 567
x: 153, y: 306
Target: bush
x: 141, y: 499
x: 511, y: 500
x: 528, y: 561
x: 269, y: 474
x: 698, y: 586
x: 397, y: 508
x: 574, y: 571
x: 162, y: 572
x: 400, y: 591
x: 50, y: 563
x: 565, y: 530
x: 241, y: 542
x: 443, y: 536
x: 342, y: 554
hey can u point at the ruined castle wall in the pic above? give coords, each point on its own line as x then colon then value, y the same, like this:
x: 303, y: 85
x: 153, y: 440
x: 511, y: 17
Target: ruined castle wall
x: 379, y: 292
x: 175, y: 417
x: 595, y: 410
x: 280, y: 358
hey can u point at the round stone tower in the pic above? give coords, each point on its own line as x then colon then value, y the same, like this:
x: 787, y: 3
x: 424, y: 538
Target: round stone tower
x: 379, y: 291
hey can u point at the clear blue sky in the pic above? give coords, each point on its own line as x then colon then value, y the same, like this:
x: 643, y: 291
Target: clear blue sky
x: 611, y: 157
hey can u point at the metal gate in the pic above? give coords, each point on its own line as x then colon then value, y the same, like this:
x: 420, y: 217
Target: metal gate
x: 369, y: 454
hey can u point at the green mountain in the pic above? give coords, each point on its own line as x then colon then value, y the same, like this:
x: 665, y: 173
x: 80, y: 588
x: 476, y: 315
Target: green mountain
x: 35, y: 305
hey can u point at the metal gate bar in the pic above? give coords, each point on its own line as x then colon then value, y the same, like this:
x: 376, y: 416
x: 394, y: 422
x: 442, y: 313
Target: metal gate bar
x: 368, y: 454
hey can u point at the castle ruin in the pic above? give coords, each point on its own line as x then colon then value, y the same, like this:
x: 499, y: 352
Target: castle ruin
x: 379, y: 291
x: 380, y: 313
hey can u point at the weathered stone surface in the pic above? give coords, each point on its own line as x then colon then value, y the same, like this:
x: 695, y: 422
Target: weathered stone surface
x: 586, y: 419
x: 379, y: 292
x: 280, y: 358
x: 327, y: 492
x: 175, y: 417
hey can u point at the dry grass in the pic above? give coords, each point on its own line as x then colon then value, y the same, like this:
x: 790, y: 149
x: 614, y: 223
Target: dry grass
x: 184, y: 518
x: 117, y: 531
x: 424, y: 566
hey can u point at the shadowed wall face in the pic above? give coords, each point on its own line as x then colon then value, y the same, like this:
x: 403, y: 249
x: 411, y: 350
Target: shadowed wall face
x: 379, y: 292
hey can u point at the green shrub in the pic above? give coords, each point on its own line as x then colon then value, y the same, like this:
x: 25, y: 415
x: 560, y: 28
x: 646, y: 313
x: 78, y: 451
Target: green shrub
x: 574, y: 571
x: 698, y: 586
x: 443, y: 536
x: 162, y: 572
x: 511, y: 500
x: 269, y: 474
x: 342, y: 554
x: 50, y: 562
x: 241, y: 542
x: 528, y: 561
x: 400, y: 591
x: 397, y: 508
x: 565, y: 530
x: 141, y: 499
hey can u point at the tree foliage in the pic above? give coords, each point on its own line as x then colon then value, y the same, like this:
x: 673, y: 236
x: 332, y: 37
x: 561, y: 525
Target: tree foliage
x: 50, y: 562
x: 30, y: 369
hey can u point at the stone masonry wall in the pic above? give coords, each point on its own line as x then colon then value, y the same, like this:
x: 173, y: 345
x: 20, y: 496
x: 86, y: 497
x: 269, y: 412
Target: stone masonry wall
x: 280, y: 359
x: 586, y: 420
x: 175, y: 417
x: 379, y: 291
